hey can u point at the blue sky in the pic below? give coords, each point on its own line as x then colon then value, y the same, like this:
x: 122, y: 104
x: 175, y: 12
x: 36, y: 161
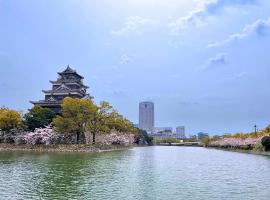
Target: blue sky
x: 205, y: 64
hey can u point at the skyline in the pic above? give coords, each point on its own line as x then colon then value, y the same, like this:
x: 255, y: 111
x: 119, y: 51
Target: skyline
x: 203, y: 63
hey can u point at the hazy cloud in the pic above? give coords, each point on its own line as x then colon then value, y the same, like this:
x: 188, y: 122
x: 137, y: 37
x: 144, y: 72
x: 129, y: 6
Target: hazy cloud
x: 260, y: 27
x: 125, y: 59
x: 219, y: 59
x: 188, y: 103
x: 120, y: 93
x: 205, y: 8
x: 236, y: 76
x: 133, y: 24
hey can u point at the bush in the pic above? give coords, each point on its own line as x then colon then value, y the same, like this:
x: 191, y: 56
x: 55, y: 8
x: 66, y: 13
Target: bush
x: 246, y: 147
x: 38, y: 117
x: 266, y: 142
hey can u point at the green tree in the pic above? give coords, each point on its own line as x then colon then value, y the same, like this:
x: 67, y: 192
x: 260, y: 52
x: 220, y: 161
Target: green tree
x: 99, y: 120
x: 121, y: 124
x: 76, y: 116
x: 142, y: 134
x: 106, y: 118
x: 268, y: 128
x: 38, y: 117
x: 206, y: 140
x: 266, y: 143
x: 10, y: 119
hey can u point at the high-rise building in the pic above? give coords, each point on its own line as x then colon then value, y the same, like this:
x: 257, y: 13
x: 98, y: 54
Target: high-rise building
x: 180, y: 132
x: 146, y: 116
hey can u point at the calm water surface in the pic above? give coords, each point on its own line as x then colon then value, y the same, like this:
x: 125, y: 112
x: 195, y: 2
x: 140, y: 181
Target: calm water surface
x: 140, y: 173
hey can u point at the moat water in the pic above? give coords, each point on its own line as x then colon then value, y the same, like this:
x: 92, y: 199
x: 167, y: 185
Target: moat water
x: 143, y: 173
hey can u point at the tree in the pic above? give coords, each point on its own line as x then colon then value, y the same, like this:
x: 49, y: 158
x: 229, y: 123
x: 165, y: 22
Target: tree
x: 121, y: 124
x: 266, y: 142
x: 99, y: 121
x: 76, y: 116
x: 38, y: 117
x: 106, y: 118
x: 10, y: 119
x: 268, y: 128
x: 206, y: 140
x: 148, y: 138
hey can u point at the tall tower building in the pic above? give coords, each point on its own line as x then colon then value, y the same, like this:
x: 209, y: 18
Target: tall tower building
x: 180, y: 132
x: 146, y: 116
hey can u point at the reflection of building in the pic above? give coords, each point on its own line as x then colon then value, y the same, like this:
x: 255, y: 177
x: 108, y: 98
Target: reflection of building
x: 180, y: 132
x: 68, y: 84
x: 146, y: 116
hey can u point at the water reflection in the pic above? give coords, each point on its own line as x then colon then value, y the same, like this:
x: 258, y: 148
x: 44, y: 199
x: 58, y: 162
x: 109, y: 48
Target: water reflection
x: 141, y: 173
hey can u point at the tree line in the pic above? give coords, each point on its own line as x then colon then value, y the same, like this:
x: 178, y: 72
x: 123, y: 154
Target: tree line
x: 78, y: 117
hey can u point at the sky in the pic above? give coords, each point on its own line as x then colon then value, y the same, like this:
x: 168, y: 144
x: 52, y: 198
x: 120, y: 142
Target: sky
x: 205, y: 64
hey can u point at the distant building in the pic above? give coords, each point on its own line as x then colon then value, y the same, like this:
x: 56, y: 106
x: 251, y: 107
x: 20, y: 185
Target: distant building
x: 162, y: 129
x: 162, y: 132
x: 68, y: 84
x: 202, y: 135
x: 180, y: 132
x: 146, y: 116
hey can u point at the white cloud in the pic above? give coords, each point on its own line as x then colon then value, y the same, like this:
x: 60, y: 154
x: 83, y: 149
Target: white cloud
x: 125, y: 59
x: 133, y: 24
x: 192, y: 19
x: 219, y: 59
x: 260, y: 27
x: 205, y: 8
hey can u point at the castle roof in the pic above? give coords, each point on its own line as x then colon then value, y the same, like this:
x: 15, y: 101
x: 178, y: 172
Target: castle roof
x: 69, y: 70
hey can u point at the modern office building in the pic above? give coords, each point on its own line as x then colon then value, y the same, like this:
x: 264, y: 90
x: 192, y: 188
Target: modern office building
x: 146, y: 116
x: 180, y: 132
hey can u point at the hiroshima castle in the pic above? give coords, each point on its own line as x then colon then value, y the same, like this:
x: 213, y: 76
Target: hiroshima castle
x: 68, y: 84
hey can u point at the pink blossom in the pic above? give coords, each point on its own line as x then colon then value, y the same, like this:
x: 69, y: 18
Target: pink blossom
x: 118, y: 138
x: 39, y: 136
x: 236, y: 142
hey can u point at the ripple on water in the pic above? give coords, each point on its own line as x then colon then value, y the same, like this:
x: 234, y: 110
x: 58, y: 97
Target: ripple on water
x: 141, y: 173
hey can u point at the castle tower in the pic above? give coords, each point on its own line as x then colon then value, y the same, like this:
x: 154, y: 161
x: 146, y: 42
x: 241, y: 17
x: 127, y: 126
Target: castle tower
x: 68, y: 84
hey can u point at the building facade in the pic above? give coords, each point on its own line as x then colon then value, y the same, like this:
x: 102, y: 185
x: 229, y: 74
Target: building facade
x: 162, y: 132
x: 180, y: 132
x: 68, y: 84
x: 146, y: 116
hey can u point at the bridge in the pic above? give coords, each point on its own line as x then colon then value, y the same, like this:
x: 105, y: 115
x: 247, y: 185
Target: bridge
x: 195, y: 144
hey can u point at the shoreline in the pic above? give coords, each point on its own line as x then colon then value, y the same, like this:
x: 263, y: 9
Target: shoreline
x: 262, y: 153
x: 80, y: 148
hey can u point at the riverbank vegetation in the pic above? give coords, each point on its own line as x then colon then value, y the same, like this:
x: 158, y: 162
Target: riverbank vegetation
x: 258, y: 141
x: 81, y: 122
